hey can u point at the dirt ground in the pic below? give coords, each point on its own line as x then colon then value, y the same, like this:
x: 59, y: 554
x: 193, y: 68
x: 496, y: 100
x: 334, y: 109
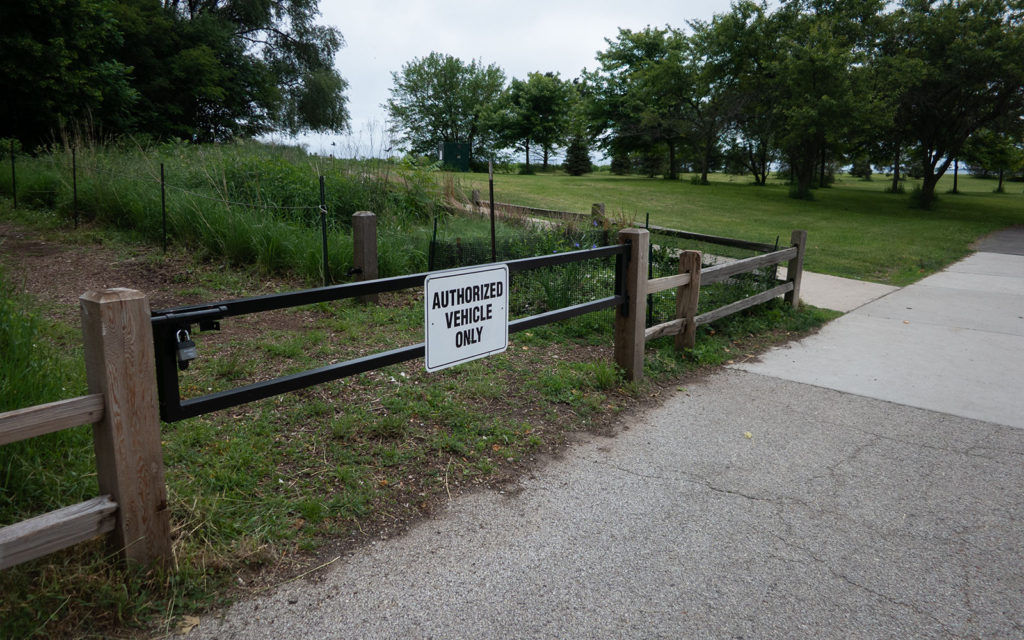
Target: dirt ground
x: 58, y: 270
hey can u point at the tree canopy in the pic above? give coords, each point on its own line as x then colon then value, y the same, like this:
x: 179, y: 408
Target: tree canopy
x: 192, y: 69
x: 533, y: 111
x: 440, y: 98
x: 813, y: 85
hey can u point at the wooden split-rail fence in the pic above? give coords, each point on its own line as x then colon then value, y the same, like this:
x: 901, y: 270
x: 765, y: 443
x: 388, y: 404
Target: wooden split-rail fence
x: 631, y: 333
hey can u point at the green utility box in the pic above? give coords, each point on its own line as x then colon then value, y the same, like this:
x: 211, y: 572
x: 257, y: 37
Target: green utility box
x: 455, y: 156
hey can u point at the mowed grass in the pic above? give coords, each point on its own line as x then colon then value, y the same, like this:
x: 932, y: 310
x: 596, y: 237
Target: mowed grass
x: 855, y: 229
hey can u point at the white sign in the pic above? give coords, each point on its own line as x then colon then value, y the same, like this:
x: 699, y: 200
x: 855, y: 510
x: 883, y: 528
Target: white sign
x: 466, y: 315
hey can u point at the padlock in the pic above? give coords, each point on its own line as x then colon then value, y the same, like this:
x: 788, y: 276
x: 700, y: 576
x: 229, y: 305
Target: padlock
x: 186, y: 349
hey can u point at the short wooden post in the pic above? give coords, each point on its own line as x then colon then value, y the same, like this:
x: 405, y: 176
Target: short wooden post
x: 795, y: 268
x: 630, y: 318
x: 476, y: 198
x: 597, y: 214
x: 120, y: 364
x: 364, y: 250
x: 687, y: 297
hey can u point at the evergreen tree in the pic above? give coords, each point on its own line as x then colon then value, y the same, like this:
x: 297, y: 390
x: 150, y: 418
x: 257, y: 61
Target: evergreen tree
x: 577, y: 157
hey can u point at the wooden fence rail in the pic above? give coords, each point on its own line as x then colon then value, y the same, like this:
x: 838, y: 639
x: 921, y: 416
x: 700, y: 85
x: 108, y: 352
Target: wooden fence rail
x: 629, y: 344
x: 122, y: 406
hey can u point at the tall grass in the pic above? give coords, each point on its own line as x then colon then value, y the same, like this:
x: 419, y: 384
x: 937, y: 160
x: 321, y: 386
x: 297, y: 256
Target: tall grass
x: 40, y: 364
x: 246, y: 203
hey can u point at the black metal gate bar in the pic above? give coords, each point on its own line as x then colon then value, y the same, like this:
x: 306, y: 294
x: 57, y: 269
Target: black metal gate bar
x: 260, y: 390
x: 243, y: 306
x: 167, y: 322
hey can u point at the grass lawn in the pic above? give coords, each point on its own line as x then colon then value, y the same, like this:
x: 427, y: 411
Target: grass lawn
x: 855, y: 229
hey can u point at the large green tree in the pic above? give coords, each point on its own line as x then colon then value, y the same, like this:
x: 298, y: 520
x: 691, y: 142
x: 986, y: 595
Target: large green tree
x: 817, y: 96
x: 968, y: 57
x: 534, y: 111
x: 640, y: 96
x: 440, y: 98
x: 194, y: 69
x: 745, y: 42
x: 59, y: 68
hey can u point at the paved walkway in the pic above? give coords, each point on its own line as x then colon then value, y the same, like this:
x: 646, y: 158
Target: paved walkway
x: 838, y: 294
x: 953, y: 342
x: 747, y: 506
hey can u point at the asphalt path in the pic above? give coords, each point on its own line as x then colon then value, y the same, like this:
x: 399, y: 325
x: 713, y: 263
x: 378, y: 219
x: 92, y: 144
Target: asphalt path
x: 748, y: 505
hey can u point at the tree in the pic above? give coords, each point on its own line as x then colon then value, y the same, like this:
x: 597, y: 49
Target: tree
x: 744, y: 42
x: 577, y: 157
x: 440, y: 99
x: 535, y: 110
x: 640, y: 95
x: 821, y: 43
x: 577, y: 153
x: 196, y: 69
x: 58, y: 68
x: 969, y: 75
x: 992, y: 151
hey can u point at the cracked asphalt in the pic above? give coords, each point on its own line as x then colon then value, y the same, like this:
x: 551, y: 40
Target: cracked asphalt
x: 746, y: 506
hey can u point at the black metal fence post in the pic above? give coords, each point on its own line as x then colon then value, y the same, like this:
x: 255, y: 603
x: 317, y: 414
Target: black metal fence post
x: 14, y: 180
x: 323, y: 228
x: 74, y: 184
x: 490, y: 180
x: 163, y: 205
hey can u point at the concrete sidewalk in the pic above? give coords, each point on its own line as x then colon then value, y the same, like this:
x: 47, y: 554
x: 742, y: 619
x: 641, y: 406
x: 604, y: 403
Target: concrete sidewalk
x: 838, y: 294
x: 748, y: 505
x: 953, y: 342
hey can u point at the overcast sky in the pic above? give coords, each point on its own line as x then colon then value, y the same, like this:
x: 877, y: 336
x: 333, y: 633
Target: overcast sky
x: 519, y: 36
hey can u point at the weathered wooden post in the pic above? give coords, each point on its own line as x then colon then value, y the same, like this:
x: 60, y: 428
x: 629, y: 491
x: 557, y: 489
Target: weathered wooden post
x: 597, y: 215
x: 364, y: 250
x: 795, y: 268
x: 630, y: 317
x: 120, y: 364
x: 687, y: 298
x: 475, y: 197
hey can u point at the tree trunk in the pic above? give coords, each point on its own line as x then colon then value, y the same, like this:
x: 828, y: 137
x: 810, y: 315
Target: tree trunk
x: 705, y: 161
x: 928, y: 189
x: 821, y: 179
x: 672, y: 173
x: 545, y: 166
x: 999, y: 189
x: 803, y: 170
x: 896, y: 172
x: 956, y: 175
x: 527, y: 145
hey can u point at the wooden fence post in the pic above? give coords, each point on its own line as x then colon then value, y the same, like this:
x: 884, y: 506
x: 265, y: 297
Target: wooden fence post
x: 686, y: 299
x: 795, y: 268
x: 475, y: 197
x: 364, y: 250
x: 630, y: 321
x: 120, y: 364
x: 597, y: 215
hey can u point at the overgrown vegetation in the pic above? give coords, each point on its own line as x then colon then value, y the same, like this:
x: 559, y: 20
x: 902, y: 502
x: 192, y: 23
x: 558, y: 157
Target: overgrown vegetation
x: 248, y: 203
